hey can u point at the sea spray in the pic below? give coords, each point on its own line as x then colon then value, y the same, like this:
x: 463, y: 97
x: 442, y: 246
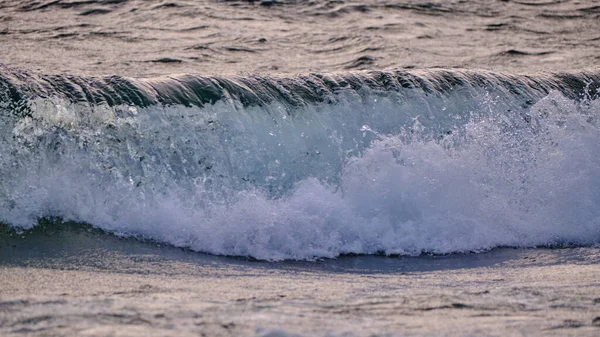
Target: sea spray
x: 375, y: 169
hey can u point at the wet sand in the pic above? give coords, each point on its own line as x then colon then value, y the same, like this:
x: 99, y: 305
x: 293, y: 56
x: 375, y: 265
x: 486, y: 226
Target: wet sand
x: 100, y: 285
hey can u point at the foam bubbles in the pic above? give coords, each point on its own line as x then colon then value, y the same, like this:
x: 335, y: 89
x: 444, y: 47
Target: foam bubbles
x: 351, y: 178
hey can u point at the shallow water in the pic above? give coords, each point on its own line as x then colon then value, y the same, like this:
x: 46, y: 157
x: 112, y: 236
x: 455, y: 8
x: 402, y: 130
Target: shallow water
x: 91, y: 284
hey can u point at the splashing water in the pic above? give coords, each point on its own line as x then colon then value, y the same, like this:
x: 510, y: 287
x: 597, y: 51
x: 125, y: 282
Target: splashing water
x: 464, y: 171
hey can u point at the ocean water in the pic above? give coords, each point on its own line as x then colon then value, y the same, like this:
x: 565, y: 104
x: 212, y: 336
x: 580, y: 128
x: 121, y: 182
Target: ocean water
x: 406, y: 162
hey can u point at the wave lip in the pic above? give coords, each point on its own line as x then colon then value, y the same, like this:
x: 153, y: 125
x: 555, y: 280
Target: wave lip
x: 301, y: 90
x: 434, y: 161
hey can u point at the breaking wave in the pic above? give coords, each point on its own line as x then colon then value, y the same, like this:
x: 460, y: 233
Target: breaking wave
x: 437, y: 161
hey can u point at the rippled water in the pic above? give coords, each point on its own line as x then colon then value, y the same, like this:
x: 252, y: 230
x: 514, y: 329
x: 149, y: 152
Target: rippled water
x: 134, y: 37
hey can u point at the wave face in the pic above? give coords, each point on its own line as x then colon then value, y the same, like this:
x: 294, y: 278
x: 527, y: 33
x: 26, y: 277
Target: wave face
x: 437, y: 161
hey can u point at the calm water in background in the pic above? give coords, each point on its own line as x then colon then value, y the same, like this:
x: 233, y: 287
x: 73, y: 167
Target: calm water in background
x: 132, y: 37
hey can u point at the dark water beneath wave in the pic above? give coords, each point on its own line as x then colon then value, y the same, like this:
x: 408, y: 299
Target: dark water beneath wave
x: 312, y: 166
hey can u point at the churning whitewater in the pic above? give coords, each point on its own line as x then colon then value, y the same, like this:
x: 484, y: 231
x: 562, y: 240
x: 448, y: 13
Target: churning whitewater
x: 314, y: 166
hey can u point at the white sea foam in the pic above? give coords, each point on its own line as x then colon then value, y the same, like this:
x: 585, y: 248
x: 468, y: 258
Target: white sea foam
x: 434, y: 175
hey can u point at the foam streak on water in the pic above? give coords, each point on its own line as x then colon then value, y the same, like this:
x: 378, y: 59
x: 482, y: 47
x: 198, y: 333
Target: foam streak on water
x: 464, y: 170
